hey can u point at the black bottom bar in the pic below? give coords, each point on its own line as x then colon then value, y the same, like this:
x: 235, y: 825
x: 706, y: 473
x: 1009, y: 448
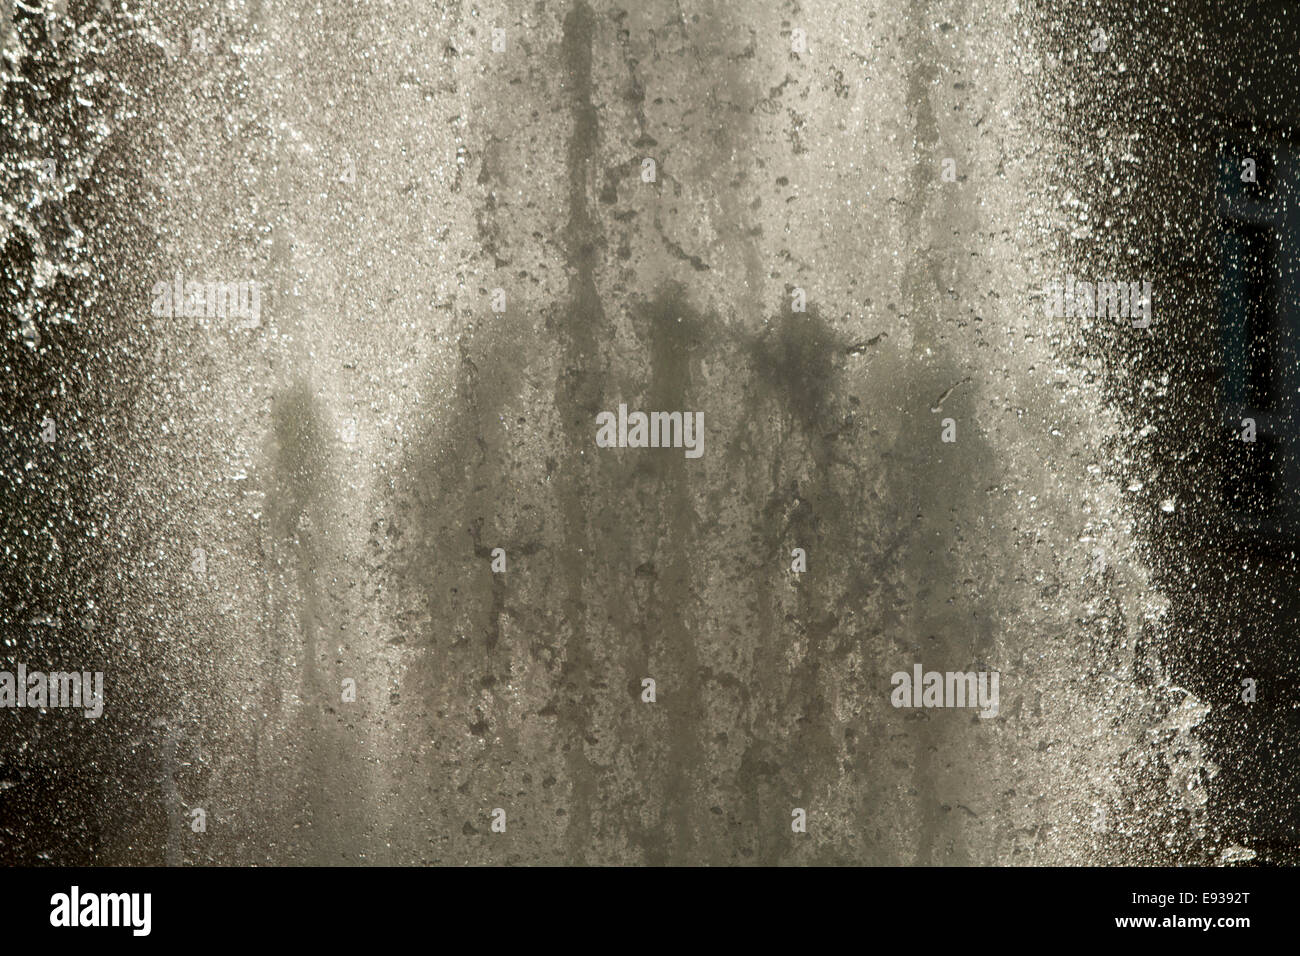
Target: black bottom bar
x: 339, y: 906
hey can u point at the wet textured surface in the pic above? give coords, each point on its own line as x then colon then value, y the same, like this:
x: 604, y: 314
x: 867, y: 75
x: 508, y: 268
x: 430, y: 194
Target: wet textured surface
x: 232, y: 522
